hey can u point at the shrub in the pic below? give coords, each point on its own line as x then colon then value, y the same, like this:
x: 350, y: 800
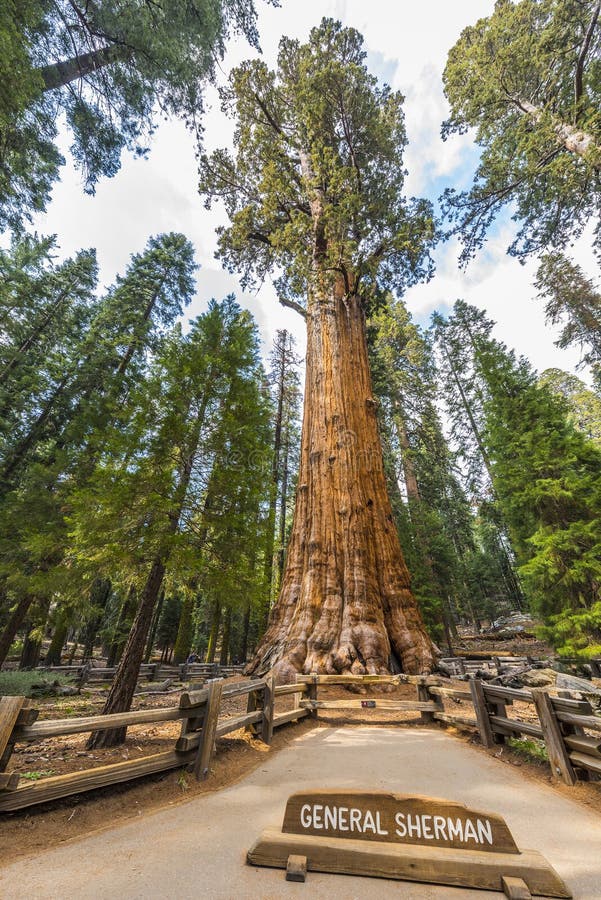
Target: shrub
x: 575, y: 633
x: 30, y: 684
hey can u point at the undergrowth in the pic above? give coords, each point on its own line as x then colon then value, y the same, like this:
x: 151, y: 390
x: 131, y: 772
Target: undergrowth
x: 532, y: 750
x: 30, y: 684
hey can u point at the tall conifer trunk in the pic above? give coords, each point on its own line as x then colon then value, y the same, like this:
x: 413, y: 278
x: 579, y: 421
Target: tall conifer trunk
x: 345, y: 604
x: 12, y: 626
x: 315, y: 188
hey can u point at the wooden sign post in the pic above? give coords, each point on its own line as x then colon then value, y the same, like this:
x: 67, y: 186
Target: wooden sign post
x: 404, y: 837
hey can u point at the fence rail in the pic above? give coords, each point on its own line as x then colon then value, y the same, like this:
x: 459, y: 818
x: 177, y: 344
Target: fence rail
x: 494, y: 664
x: 562, y: 724
x: 87, y: 673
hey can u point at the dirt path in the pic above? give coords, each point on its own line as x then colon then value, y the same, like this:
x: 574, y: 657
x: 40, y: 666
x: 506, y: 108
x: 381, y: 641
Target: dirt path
x: 198, y: 848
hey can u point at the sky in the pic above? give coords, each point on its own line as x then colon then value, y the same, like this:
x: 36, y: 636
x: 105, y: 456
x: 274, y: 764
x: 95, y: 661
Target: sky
x: 407, y: 44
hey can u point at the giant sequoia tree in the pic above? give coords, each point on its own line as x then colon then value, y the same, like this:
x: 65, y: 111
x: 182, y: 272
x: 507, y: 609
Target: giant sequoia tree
x: 314, y: 193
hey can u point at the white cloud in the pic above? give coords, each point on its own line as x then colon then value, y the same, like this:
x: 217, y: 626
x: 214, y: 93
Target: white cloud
x: 503, y: 288
x: 407, y: 43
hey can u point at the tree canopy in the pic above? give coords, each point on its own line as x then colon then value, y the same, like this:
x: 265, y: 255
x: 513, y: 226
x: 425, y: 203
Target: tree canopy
x: 528, y: 80
x: 108, y: 67
x: 574, y: 300
x: 317, y: 173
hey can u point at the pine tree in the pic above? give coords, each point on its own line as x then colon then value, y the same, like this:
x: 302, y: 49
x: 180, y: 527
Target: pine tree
x: 283, y: 379
x: 436, y: 522
x: 106, y: 67
x: 526, y: 78
x: 83, y: 370
x: 583, y: 404
x: 547, y: 478
x: 574, y: 300
x: 157, y: 467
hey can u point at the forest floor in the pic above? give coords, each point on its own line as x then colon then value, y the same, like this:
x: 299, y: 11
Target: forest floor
x: 36, y: 829
x: 518, y: 644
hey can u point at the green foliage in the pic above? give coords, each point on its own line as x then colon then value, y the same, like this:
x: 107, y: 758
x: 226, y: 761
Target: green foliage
x: 285, y: 392
x: 70, y: 361
x: 107, y: 67
x: 463, y: 390
x: 185, y: 631
x: 35, y: 776
x: 532, y: 750
x: 168, y: 624
x: 124, y: 440
x: 575, y: 632
x: 488, y: 581
x: 546, y: 475
x: 456, y: 559
x: 527, y: 79
x: 318, y: 159
x: 584, y: 405
x: 68, y: 356
x: 574, y: 300
x: 185, y: 480
x: 22, y: 684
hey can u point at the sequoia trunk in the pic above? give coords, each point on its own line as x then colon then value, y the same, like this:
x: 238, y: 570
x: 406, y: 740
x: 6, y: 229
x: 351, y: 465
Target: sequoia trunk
x: 345, y: 604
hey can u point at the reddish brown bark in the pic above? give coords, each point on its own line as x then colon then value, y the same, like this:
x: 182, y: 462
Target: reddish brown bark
x: 345, y: 604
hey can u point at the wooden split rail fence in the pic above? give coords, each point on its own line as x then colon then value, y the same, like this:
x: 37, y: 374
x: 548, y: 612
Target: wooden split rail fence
x: 505, y: 665
x: 86, y: 673
x: 200, y: 728
x: 496, y: 665
x: 563, y: 723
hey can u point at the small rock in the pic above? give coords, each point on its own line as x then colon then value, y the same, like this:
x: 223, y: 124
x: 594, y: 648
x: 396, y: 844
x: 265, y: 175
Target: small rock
x: 571, y: 683
x: 538, y: 678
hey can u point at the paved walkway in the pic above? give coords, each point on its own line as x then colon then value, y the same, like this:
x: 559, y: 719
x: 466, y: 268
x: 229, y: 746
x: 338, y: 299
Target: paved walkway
x: 197, y: 849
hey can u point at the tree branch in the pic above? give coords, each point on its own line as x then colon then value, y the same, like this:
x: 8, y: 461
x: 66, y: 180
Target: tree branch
x: 571, y: 137
x: 257, y: 236
x: 292, y: 304
x: 64, y: 72
x: 583, y: 52
x: 263, y: 107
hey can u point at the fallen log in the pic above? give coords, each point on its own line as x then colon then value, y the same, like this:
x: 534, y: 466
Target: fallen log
x: 161, y: 688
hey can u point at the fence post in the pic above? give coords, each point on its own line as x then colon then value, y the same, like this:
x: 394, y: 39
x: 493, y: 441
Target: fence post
x: 480, y: 706
x: 556, y: 748
x: 296, y: 698
x: 207, y: 735
x: 312, y: 692
x: 84, y: 674
x: 252, y: 704
x: 424, y: 694
x: 268, y: 704
x: 10, y: 707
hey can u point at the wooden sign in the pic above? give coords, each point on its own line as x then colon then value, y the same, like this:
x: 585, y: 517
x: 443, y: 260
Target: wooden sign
x: 403, y: 837
x: 396, y: 818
